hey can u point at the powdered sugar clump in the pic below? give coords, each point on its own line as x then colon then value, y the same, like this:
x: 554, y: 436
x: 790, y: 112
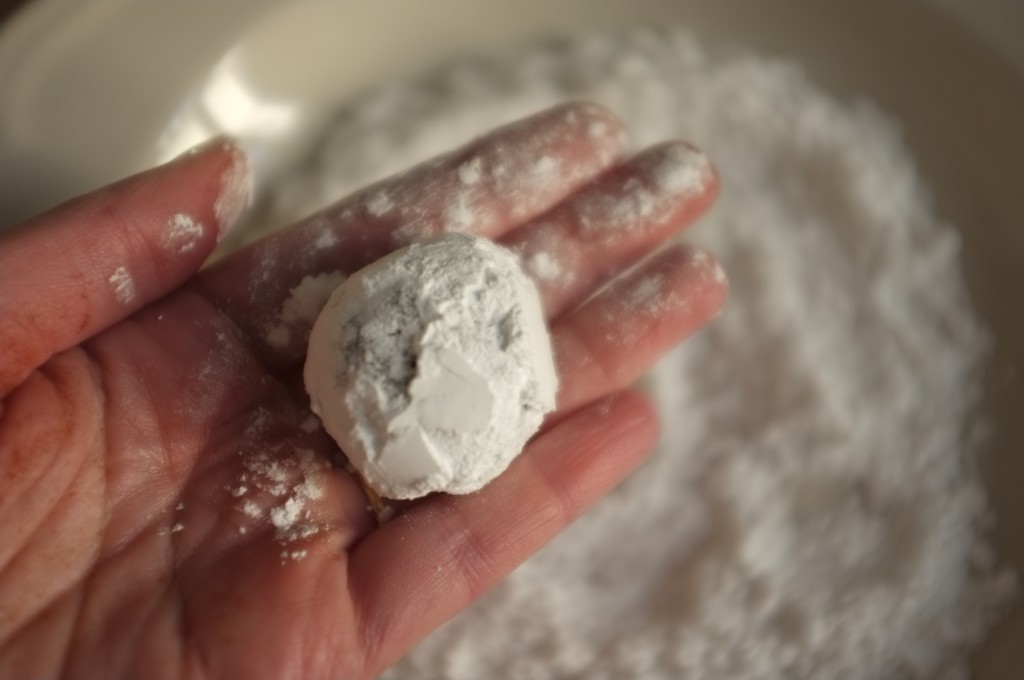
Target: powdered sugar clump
x: 682, y: 171
x: 469, y: 172
x: 123, y: 285
x: 183, y: 233
x: 814, y: 511
x: 303, y: 305
x: 543, y: 266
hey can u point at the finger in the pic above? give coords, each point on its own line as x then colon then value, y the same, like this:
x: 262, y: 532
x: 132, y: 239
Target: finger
x: 611, y: 340
x: 614, y: 221
x: 488, y: 187
x: 433, y: 560
x: 93, y: 261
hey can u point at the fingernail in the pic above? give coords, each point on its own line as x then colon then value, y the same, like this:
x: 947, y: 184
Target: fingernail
x: 681, y: 170
x: 235, y: 188
x: 202, y: 147
x: 235, y: 194
x: 705, y: 265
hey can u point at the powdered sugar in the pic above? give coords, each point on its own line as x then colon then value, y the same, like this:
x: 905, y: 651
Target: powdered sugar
x: 475, y: 190
x: 667, y: 174
x: 682, y: 171
x: 123, y: 285
x: 279, y: 480
x: 544, y: 169
x: 235, y: 189
x: 469, y: 172
x: 300, y: 310
x: 325, y: 239
x: 288, y: 482
x: 543, y: 266
x: 183, y: 233
x: 646, y: 293
x: 814, y: 510
x: 380, y: 204
x: 251, y: 508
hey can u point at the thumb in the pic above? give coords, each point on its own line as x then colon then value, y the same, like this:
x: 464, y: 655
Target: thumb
x: 93, y: 261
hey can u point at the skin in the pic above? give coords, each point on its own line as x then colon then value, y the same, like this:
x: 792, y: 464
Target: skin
x: 125, y: 423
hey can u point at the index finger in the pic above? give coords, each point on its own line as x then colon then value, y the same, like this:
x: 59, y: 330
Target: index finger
x: 488, y: 187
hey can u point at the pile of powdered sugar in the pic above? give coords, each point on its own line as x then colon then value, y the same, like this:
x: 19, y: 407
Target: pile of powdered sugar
x: 813, y: 510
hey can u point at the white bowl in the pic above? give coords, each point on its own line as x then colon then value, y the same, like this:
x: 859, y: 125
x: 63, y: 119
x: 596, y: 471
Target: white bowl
x: 83, y: 103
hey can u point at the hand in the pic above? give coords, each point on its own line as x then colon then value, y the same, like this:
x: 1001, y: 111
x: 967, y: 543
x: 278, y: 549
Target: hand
x: 153, y: 425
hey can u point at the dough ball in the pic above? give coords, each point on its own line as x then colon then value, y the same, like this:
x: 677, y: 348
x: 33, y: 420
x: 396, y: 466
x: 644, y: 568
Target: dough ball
x: 432, y: 367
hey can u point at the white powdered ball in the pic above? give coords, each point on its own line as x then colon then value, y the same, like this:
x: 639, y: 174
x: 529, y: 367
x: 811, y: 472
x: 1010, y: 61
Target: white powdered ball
x: 432, y: 367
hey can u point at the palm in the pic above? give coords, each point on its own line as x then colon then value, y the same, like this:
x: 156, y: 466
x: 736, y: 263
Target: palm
x: 146, y: 473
